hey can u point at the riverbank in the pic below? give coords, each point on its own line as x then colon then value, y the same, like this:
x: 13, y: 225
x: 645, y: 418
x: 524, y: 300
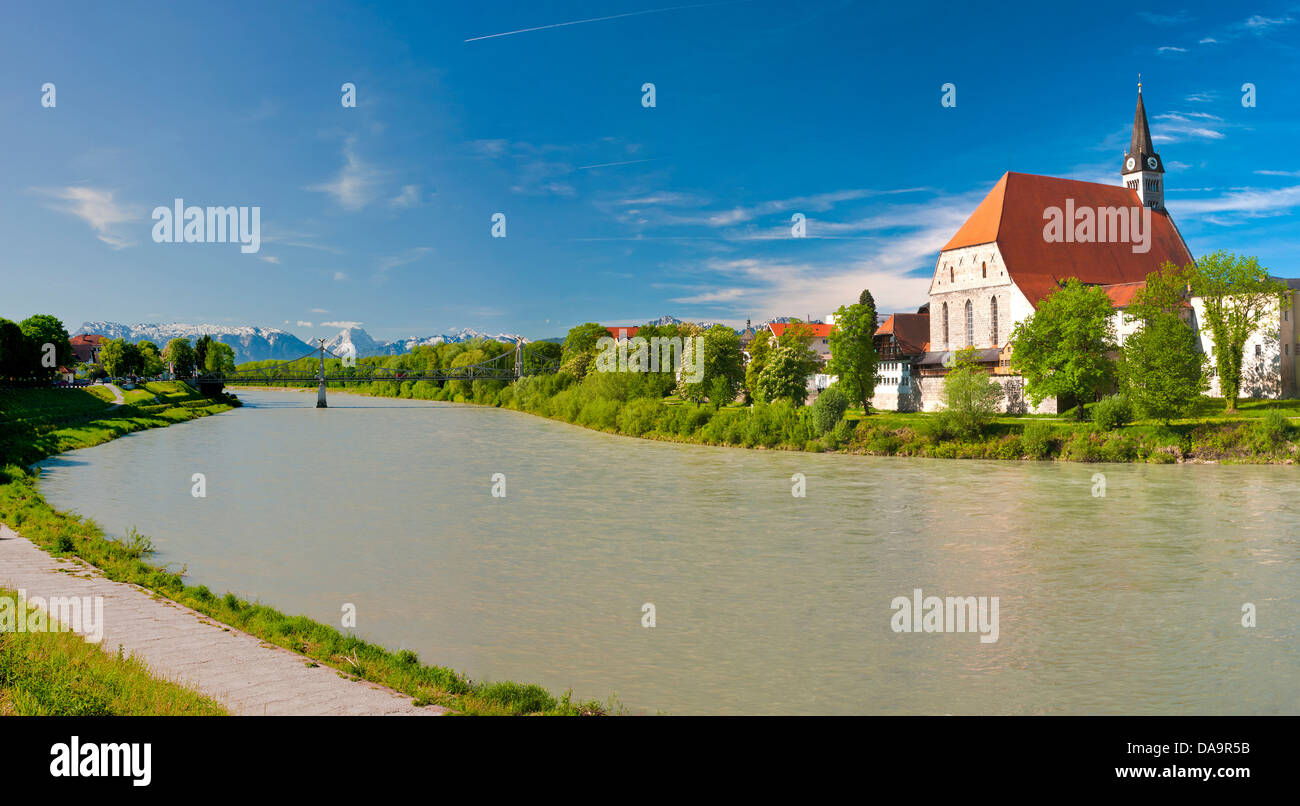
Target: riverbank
x: 42, y: 423
x: 1260, y: 432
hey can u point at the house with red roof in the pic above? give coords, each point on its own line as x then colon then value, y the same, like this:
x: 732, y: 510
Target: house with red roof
x: 86, y: 347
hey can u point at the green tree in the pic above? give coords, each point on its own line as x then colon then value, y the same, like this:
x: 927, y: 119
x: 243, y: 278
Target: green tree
x: 179, y: 353
x: 1062, y: 349
x: 1161, y: 370
x: 723, y: 374
x: 151, y: 363
x: 579, y: 352
x: 1237, y: 292
x: 865, y: 298
x: 853, y: 351
x: 220, y: 358
x: 970, y: 394
x: 118, y: 357
x: 828, y: 408
x: 785, y: 375
x: 201, y: 347
x: 43, y: 329
x: 15, y: 358
x: 759, y: 350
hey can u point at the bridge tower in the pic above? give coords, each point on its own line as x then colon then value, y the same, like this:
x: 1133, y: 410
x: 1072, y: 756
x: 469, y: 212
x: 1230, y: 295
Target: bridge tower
x: 320, y: 375
x: 519, y: 358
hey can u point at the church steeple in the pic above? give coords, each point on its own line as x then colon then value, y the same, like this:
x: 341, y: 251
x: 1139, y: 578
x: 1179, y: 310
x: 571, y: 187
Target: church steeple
x: 1142, y: 165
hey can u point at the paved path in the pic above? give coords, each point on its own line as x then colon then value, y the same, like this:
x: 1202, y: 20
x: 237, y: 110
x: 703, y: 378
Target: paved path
x: 242, y: 672
x: 118, y: 397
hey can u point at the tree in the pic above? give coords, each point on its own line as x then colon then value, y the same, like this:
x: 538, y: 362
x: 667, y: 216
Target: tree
x: 579, y: 350
x: 853, y: 351
x: 1062, y: 349
x: 1237, y: 292
x: 43, y: 329
x: 828, y: 408
x: 1161, y: 370
x: 785, y: 375
x: 970, y: 394
x: 151, y: 363
x: 15, y: 360
x: 723, y: 371
x: 118, y: 357
x: 220, y: 358
x: 759, y: 350
x: 201, y: 347
x: 865, y: 298
x: 180, y: 354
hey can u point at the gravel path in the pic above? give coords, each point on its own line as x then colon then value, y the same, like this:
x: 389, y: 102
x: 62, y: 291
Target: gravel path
x: 247, y: 675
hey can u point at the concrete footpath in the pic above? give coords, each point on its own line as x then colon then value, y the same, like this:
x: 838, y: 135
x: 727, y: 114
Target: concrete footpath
x: 247, y: 675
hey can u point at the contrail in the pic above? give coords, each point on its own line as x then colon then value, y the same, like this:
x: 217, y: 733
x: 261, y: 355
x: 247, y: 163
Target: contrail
x: 610, y: 164
x: 602, y: 19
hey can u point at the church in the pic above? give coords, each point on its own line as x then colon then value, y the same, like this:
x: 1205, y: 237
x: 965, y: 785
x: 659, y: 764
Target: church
x: 1004, y: 261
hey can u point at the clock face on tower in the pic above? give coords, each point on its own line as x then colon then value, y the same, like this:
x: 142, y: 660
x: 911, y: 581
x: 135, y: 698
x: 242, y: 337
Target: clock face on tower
x: 1131, y: 162
x: 1151, y: 163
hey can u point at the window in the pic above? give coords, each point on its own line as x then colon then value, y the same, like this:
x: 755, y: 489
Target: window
x: 1257, y: 351
x: 945, y: 324
x: 993, y: 320
x: 950, y: 274
x: 984, y: 270
x: 970, y: 325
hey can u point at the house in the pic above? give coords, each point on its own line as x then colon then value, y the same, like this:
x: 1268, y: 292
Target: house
x: 900, y: 341
x: 86, y: 347
x: 820, y: 344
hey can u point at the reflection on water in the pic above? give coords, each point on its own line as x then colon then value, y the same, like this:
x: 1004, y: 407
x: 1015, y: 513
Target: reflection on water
x: 765, y: 603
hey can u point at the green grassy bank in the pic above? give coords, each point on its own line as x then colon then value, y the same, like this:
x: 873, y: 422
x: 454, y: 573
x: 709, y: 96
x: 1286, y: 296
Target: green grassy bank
x: 38, y: 423
x: 1259, y: 432
x: 58, y: 673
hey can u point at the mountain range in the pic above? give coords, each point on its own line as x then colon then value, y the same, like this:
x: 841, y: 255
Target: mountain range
x: 264, y: 343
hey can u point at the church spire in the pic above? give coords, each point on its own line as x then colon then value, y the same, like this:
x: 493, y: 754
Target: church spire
x: 1142, y: 165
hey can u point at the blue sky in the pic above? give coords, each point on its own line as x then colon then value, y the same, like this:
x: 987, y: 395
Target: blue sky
x: 381, y: 214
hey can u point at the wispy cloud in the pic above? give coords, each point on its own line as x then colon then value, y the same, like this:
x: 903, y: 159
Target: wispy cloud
x: 357, y: 183
x: 1247, y: 202
x: 409, y: 197
x: 341, y: 325
x: 601, y: 19
x: 1175, y: 18
x: 409, y: 256
x: 1266, y: 172
x: 303, y: 323
x: 97, y: 208
x: 1164, y: 49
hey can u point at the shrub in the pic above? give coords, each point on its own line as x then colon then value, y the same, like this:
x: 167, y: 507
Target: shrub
x: 1270, y: 431
x: 1009, y: 447
x: 885, y: 443
x: 1119, y: 448
x: 828, y: 408
x: 639, y: 416
x: 1038, y: 440
x: 1082, y: 448
x: 937, y: 427
x: 1112, y: 412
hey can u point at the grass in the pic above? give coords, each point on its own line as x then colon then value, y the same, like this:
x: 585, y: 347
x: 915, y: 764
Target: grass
x: 35, y: 432
x: 58, y: 673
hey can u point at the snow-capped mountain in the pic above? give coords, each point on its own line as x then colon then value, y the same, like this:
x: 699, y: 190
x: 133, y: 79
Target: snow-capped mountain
x: 249, y: 343
x: 365, y: 345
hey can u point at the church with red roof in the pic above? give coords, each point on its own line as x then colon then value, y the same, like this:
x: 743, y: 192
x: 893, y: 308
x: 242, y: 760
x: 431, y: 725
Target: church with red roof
x: 1008, y: 257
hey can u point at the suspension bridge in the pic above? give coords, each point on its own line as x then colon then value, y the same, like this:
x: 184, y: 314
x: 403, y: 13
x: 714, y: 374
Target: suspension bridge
x: 508, y: 366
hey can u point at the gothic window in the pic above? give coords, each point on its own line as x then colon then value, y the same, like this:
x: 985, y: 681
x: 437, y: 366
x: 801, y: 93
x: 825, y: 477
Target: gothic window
x: 993, y: 319
x: 950, y: 274
x: 945, y: 324
x: 970, y: 325
x: 984, y: 270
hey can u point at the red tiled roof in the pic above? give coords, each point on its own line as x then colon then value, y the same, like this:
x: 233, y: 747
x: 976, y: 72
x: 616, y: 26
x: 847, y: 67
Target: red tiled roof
x: 622, y: 331
x: 1121, y: 294
x: 911, y: 330
x: 88, y: 338
x: 816, y: 331
x: 1012, y: 216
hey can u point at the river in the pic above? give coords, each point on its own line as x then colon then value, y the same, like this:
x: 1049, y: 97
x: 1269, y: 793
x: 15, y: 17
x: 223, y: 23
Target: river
x: 1127, y: 602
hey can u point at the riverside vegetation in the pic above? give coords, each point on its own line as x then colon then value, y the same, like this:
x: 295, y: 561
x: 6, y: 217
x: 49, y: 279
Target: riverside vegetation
x: 40, y: 422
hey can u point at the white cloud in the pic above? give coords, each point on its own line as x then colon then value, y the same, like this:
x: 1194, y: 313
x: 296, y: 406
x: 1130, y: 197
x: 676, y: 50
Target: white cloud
x: 340, y: 276
x: 341, y: 325
x: 319, y: 310
x: 270, y: 259
x: 409, y: 197
x: 301, y: 323
x: 1170, y: 49
x: 357, y: 183
x: 97, y: 208
x: 1278, y: 173
x: 1247, y: 202
x: 409, y: 256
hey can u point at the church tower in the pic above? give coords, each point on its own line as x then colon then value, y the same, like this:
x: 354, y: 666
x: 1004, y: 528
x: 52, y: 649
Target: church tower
x: 1143, y: 168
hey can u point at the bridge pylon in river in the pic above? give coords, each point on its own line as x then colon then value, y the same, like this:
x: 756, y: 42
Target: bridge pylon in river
x: 320, y: 376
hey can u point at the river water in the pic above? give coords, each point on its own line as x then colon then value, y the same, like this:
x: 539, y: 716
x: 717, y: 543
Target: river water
x: 764, y: 602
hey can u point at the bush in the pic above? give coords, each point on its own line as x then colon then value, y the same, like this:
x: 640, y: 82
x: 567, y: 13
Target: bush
x: 1119, y: 448
x: 1038, y: 440
x: 1112, y: 412
x: 1270, y: 431
x: 639, y: 416
x: 828, y: 408
x: 1009, y: 447
x: 937, y: 427
x: 1082, y: 448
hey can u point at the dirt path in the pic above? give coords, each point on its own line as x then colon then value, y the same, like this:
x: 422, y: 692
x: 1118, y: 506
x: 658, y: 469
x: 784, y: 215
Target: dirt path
x: 119, y: 397
x: 244, y: 673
